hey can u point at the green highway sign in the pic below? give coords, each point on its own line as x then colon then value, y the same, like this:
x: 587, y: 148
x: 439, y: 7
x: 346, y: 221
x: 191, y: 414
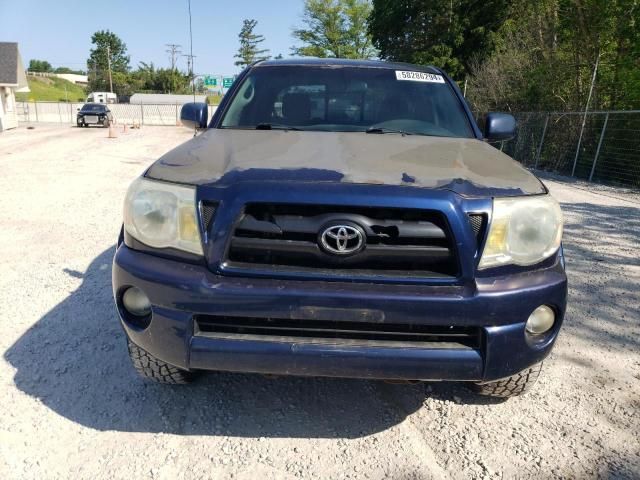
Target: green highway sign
x: 227, y: 82
x: 210, y: 81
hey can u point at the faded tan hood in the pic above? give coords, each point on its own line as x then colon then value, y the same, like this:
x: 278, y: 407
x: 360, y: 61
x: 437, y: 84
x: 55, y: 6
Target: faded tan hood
x: 467, y: 166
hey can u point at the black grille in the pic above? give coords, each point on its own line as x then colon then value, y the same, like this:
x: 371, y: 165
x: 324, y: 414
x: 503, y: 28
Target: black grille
x: 208, y: 212
x: 338, y: 331
x: 478, y: 224
x: 398, y: 241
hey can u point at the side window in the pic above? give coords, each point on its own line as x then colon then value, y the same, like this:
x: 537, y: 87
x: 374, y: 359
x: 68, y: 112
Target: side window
x: 237, y: 109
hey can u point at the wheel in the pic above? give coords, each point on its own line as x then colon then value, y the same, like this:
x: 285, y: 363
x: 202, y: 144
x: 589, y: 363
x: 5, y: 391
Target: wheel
x: 106, y: 122
x: 512, y: 386
x: 151, y: 367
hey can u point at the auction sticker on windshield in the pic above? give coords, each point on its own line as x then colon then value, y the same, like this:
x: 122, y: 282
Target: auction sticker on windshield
x: 419, y: 76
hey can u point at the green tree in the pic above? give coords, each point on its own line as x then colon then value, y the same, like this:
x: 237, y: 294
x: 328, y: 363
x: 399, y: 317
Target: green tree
x: 171, y: 81
x: 39, y: 66
x: 335, y: 28
x: 445, y: 33
x: 357, y: 14
x: 546, y: 52
x: 108, y: 46
x: 249, y: 50
x: 147, y: 78
x: 144, y: 77
x: 123, y: 83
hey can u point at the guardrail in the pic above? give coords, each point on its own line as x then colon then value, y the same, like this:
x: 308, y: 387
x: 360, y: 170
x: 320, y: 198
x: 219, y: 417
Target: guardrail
x: 62, y: 112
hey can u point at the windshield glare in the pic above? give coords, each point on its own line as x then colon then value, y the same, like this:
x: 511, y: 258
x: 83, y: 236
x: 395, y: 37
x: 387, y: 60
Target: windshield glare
x: 345, y: 99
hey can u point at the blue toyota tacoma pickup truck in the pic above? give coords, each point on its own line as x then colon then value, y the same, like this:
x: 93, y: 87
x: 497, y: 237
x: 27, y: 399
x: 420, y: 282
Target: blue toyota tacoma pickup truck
x: 342, y: 218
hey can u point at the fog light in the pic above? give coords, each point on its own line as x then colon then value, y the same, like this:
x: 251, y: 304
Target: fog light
x: 136, y: 302
x: 541, y: 320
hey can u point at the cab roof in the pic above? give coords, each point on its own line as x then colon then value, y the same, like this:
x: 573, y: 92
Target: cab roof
x: 344, y: 62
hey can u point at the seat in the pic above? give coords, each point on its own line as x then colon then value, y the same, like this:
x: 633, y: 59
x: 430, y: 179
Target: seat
x: 296, y: 109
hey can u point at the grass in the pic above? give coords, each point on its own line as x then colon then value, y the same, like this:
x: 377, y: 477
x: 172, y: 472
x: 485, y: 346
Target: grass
x: 52, y: 89
x: 214, y: 99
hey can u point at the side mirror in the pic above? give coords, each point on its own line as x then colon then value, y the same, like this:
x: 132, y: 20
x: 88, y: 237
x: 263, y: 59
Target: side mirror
x: 77, y: 109
x: 194, y: 115
x: 499, y: 127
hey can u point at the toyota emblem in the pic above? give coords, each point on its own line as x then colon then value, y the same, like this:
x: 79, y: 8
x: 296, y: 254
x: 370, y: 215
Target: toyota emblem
x: 342, y: 239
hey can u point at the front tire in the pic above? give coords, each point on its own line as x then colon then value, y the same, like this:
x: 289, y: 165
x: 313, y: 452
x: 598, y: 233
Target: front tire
x: 512, y: 386
x: 151, y: 367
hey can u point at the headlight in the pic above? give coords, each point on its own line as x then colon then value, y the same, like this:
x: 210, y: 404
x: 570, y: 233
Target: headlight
x: 162, y: 215
x: 523, y: 231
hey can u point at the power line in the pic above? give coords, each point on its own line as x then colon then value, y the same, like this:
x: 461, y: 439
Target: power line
x: 189, y: 62
x: 190, y: 71
x: 173, y: 51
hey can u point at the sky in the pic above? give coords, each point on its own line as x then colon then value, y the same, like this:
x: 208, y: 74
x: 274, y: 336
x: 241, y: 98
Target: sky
x: 59, y: 31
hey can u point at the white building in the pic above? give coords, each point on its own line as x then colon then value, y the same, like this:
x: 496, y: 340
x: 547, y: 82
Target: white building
x: 12, y: 80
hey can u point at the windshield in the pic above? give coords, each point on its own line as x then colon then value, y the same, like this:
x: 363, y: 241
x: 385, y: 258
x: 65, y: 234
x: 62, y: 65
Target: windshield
x: 347, y: 99
x: 93, y: 108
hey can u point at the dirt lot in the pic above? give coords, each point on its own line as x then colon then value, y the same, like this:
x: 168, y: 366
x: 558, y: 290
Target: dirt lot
x: 72, y: 407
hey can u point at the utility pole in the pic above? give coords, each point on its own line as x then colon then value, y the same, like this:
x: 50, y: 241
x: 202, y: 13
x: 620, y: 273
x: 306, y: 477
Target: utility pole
x: 190, y: 67
x: 173, y: 51
x: 189, y: 62
x: 109, y: 63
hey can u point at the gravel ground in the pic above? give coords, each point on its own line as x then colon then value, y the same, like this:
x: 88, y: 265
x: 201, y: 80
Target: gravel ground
x: 72, y: 407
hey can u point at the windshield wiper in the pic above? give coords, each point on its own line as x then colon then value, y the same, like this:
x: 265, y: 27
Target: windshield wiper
x: 386, y: 130
x: 275, y: 126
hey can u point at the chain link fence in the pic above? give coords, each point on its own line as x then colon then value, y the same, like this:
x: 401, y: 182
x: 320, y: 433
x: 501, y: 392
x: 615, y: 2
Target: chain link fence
x: 606, y: 149
x: 63, y: 112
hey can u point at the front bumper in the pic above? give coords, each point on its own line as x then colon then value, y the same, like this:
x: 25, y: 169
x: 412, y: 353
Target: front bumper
x: 91, y: 120
x: 497, y: 306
